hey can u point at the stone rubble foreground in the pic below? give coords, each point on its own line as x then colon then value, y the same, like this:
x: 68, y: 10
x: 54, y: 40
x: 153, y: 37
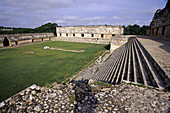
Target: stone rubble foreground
x: 83, y: 96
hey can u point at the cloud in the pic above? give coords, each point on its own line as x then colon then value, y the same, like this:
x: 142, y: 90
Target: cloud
x: 76, y: 20
x: 33, y: 13
x: 45, y: 4
x: 116, y: 18
x: 150, y: 11
x: 128, y: 17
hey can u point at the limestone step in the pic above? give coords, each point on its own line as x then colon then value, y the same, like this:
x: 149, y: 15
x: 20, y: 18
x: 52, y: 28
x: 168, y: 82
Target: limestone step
x: 156, y: 79
x: 133, y: 64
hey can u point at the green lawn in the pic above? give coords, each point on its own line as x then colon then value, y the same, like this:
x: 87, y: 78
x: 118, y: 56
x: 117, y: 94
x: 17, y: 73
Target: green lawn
x: 19, y: 70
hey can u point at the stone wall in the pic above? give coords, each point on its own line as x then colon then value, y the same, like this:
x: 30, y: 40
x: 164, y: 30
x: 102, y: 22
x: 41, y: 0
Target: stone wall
x: 160, y: 25
x: 105, y: 32
x: 18, y: 39
x: 118, y: 41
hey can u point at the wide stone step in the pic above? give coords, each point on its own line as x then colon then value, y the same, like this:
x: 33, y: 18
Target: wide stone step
x: 133, y: 64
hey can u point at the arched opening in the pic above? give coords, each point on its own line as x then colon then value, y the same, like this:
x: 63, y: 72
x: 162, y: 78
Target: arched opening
x: 32, y: 40
x: 6, y: 42
x: 102, y: 35
x: 113, y: 34
x: 16, y: 42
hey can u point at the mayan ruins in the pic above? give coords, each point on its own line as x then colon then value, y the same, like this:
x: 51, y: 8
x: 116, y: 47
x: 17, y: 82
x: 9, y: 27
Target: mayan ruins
x: 87, y: 68
x: 105, y: 32
x: 160, y: 25
x: 18, y: 39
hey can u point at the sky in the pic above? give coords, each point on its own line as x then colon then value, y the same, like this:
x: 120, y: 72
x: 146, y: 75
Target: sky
x: 33, y: 13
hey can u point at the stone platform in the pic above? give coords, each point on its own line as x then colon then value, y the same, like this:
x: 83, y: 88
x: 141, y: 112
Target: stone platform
x: 159, y: 49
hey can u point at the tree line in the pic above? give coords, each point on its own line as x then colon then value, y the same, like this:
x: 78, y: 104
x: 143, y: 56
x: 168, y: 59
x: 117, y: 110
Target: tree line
x: 135, y: 30
x: 46, y: 28
x: 51, y: 28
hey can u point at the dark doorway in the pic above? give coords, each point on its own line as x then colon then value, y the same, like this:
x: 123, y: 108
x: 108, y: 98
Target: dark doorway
x: 42, y: 39
x: 163, y: 30
x: 6, y: 42
x: 60, y: 34
x: 32, y: 40
x: 16, y: 42
x: 82, y: 35
x: 102, y: 35
x: 92, y: 35
x: 113, y: 34
x: 66, y: 34
x: 73, y: 34
x: 157, y: 31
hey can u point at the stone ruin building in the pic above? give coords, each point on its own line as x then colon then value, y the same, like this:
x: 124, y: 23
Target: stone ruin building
x: 98, y: 32
x: 18, y: 39
x: 105, y: 32
x: 160, y: 25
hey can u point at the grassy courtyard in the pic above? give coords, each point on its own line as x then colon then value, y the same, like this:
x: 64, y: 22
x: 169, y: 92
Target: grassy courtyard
x: 23, y: 66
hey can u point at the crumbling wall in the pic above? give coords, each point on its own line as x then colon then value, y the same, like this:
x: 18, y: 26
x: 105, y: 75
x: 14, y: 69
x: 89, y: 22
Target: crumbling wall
x: 89, y: 31
x: 18, y: 39
x: 160, y: 25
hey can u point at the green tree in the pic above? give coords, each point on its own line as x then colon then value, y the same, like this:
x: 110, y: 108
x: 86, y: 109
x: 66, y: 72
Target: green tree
x: 46, y: 28
x: 135, y: 30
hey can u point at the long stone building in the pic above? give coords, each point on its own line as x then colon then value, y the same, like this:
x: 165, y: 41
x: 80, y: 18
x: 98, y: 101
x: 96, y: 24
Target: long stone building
x: 160, y: 25
x: 105, y: 32
x: 18, y: 39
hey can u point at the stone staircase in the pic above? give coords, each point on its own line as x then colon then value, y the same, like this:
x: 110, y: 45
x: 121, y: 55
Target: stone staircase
x: 132, y: 63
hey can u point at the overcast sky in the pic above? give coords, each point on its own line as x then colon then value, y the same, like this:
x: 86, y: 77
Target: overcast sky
x: 33, y: 13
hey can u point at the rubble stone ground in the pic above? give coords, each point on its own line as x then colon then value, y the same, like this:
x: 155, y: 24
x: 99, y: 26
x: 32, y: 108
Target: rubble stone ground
x: 86, y: 97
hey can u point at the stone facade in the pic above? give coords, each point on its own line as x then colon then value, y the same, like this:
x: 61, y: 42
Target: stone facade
x: 160, y: 25
x: 18, y: 39
x: 105, y: 32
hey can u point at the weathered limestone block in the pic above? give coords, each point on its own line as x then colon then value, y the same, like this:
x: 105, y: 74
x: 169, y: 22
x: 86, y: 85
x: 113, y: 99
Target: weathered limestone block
x: 45, y: 39
x: 1, y: 45
x: 160, y: 31
x: 77, y: 35
x: 167, y: 31
x: 70, y: 35
x: 97, y: 35
x: 24, y: 41
x: 87, y: 35
x: 58, y: 34
x: 13, y: 43
x: 117, y: 41
x: 108, y: 36
x: 37, y: 40
x: 63, y: 34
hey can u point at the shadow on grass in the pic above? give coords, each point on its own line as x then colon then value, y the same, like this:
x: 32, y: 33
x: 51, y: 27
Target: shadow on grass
x: 85, y: 99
